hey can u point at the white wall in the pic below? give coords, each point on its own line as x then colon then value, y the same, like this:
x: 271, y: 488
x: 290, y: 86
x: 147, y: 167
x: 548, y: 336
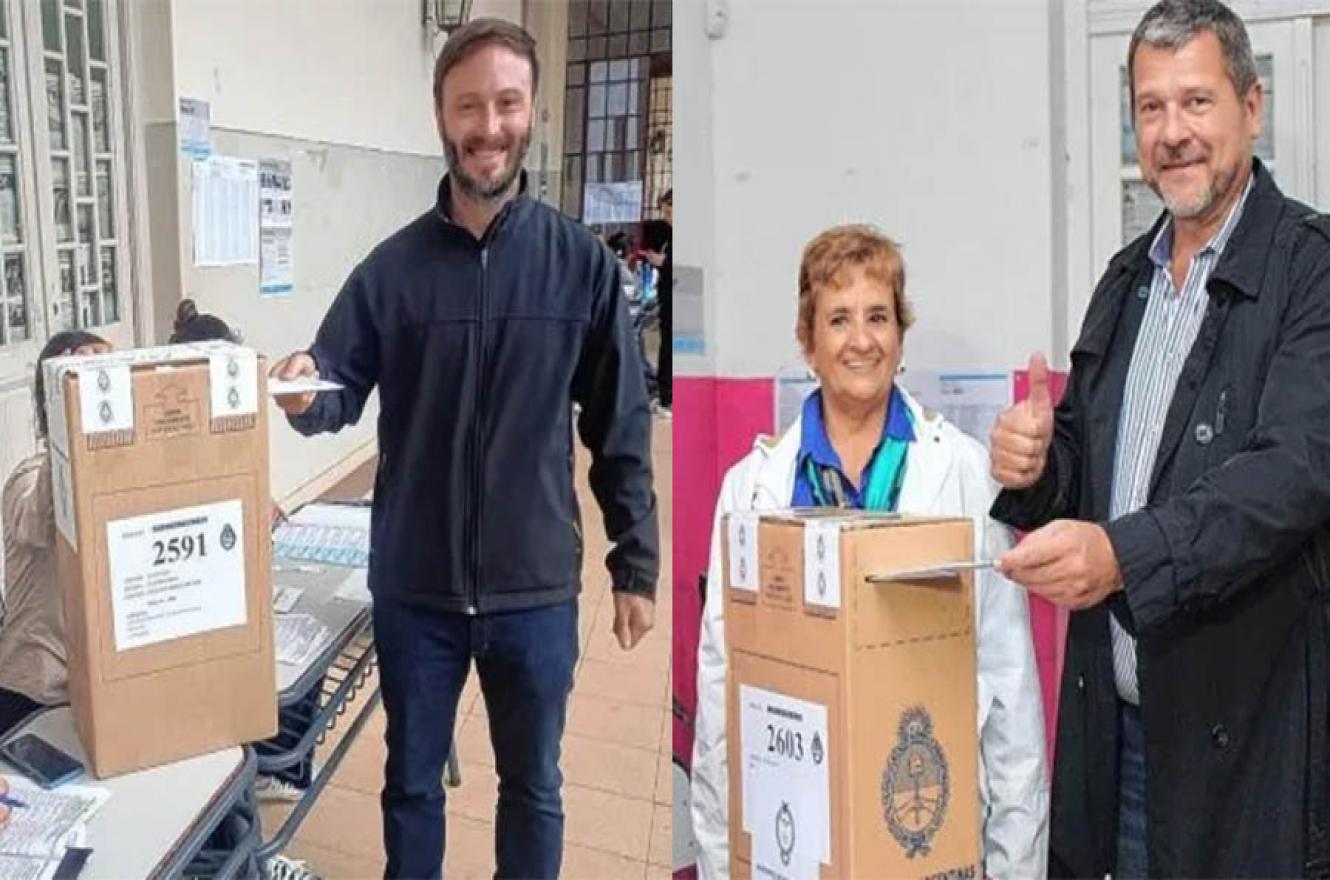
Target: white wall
x: 356, y: 72
x: 694, y: 165
x: 931, y: 119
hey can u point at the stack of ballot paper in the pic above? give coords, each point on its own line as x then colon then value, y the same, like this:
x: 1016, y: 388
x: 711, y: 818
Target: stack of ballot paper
x: 43, y: 831
x: 333, y: 534
x: 299, y: 638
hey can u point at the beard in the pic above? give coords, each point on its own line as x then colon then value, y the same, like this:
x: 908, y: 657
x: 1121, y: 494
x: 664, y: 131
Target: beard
x: 1195, y: 203
x: 480, y: 190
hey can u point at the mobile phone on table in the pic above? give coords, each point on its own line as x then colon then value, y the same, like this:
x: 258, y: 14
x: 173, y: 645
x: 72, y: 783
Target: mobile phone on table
x: 40, y: 761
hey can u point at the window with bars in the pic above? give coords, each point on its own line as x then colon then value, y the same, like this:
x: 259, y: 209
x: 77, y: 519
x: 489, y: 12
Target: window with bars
x: 61, y: 161
x: 612, y: 45
x: 660, y: 145
x: 15, y: 308
x: 78, y: 123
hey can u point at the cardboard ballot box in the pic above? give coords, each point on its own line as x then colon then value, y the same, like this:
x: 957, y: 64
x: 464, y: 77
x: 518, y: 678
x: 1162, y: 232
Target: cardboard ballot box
x: 159, y: 463
x: 853, y: 749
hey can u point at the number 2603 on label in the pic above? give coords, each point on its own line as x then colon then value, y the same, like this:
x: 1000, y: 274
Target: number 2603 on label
x: 785, y: 743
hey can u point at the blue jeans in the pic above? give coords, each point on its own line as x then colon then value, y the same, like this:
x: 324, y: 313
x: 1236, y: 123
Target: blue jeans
x: 525, y: 660
x: 1132, y: 859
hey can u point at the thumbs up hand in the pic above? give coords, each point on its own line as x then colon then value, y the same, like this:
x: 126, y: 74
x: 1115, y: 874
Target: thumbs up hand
x: 1018, y: 444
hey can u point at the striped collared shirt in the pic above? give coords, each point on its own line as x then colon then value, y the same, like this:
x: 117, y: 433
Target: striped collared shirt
x: 1168, y: 330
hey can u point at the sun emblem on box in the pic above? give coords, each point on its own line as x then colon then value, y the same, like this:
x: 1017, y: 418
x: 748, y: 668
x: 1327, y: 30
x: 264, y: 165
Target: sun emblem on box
x: 785, y: 832
x: 915, y: 784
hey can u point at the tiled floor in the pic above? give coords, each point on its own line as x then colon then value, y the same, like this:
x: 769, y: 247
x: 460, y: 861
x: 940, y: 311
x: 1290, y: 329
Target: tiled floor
x: 615, y: 752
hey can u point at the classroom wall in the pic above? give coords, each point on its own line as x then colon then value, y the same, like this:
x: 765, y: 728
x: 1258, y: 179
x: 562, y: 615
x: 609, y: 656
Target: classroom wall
x: 898, y: 114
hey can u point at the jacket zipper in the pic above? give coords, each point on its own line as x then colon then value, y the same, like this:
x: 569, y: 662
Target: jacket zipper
x: 478, y: 441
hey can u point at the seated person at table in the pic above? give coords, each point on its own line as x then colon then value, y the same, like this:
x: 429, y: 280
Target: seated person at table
x: 32, y: 635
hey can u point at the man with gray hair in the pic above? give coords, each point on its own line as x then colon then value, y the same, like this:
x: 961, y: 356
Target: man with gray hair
x: 1178, y: 498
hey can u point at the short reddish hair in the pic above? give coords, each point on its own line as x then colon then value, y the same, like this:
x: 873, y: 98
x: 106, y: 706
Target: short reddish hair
x: 833, y: 256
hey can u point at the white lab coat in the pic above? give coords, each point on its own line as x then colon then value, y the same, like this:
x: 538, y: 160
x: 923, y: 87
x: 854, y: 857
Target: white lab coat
x: 946, y: 474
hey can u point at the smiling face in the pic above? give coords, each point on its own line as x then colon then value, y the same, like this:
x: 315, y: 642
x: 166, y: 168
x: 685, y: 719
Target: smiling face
x: 485, y: 117
x: 1194, y: 132
x: 855, y: 344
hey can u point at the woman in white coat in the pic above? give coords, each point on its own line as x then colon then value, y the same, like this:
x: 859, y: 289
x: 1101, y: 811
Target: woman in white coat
x: 862, y: 442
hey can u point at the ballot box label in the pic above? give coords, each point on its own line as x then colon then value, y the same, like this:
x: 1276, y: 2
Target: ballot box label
x: 743, y: 531
x: 62, y: 491
x: 176, y: 573
x: 822, y: 564
x: 786, y: 785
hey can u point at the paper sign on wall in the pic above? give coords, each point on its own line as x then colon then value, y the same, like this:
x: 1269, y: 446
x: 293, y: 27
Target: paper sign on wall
x: 614, y: 202
x: 176, y: 573
x: 276, y: 266
x: 786, y: 798
x: 743, y: 551
x: 226, y: 211
x: 195, y: 128
x: 822, y: 563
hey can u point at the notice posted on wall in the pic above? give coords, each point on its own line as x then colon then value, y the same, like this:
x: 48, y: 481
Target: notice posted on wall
x: 970, y: 400
x: 615, y: 202
x: 786, y: 784
x: 176, y: 573
x: 195, y: 128
x: 276, y: 266
x: 226, y: 217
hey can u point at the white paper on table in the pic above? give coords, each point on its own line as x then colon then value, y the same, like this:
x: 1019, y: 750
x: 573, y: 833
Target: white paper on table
x: 299, y: 637
x: 27, y: 867
x: 285, y: 599
x: 743, y: 550
x: 822, y: 563
x: 331, y: 533
x: 355, y: 587
x: 349, y: 516
x: 51, y: 820
x: 176, y: 573
x: 785, y: 754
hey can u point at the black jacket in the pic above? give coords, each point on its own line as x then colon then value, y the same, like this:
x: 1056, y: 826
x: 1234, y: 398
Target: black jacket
x: 1224, y: 569
x: 479, y: 350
